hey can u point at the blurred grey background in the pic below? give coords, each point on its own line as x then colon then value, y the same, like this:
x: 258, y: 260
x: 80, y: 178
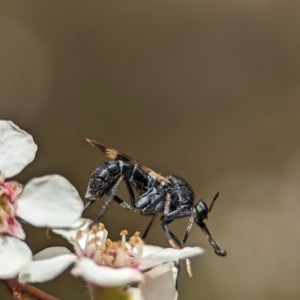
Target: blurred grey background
x: 208, y: 90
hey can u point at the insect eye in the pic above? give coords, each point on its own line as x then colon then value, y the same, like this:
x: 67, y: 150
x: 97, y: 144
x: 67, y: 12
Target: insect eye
x: 201, y: 210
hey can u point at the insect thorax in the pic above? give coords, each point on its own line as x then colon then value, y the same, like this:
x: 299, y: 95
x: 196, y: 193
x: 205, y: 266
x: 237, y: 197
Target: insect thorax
x: 180, y: 191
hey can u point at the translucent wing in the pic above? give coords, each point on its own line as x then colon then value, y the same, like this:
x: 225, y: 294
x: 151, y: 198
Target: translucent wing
x: 114, y: 154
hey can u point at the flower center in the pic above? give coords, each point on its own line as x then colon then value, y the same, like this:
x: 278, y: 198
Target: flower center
x: 105, y: 252
x: 9, y: 192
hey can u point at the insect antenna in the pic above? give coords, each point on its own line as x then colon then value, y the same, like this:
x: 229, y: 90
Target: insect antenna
x: 213, y: 201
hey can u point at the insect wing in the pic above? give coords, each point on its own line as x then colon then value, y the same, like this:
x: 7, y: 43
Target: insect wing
x: 114, y: 154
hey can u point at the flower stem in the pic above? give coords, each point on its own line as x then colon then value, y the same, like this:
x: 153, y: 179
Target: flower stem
x: 112, y: 294
x: 20, y: 290
x: 99, y: 293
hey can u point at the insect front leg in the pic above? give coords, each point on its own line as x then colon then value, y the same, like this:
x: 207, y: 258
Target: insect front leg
x: 168, y: 217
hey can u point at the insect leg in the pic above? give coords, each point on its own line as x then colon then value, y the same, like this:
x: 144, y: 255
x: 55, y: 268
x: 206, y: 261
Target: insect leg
x: 107, y: 201
x: 122, y: 203
x: 88, y: 204
x: 180, y: 244
x: 171, y: 236
x: 175, y: 243
x: 187, y: 231
x: 166, y: 219
x: 180, y: 212
x: 148, y: 227
x: 186, y: 234
x: 130, y: 192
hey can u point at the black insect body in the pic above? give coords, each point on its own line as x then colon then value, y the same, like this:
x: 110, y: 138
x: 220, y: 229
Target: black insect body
x: 169, y: 195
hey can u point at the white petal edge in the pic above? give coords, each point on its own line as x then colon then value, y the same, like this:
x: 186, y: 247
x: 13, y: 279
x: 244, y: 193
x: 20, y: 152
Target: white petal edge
x: 70, y: 232
x: 14, y: 256
x: 51, y: 252
x: 169, y: 254
x: 17, y: 148
x: 105, y: 276
x: 158, y: 283
x: 149, y: 249
x: 42, y: 270
x: 50, y: 201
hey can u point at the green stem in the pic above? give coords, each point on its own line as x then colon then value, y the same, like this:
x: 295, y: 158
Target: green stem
x: 98, y: 293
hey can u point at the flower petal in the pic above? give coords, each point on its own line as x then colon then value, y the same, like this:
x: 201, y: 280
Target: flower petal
x: 55, y: 261
x: 105, y: 276
x: 14, y: 255
x: 15, y: 228
x: 158, y: 283
x: 149, y: 249
x: 51, y: 252
x: 70, y: 233
x: 169, y: 254
x: 79, y: 234
x: 50, y: 201
x: 17, y: 148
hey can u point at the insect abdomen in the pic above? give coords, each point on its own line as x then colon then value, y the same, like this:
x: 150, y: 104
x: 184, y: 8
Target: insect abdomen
x: 140, y: 179
x: 105, y: 176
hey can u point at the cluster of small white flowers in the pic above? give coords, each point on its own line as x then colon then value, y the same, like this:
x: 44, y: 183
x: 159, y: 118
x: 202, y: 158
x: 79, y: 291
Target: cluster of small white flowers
x: 51, y: 201
x: 38, y: 203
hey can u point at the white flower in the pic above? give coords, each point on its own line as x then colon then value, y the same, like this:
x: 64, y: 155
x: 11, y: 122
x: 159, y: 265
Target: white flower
x: 101, y: 262
x: 158, y: 283
x: 49, y: 201
x: 17, y: 148
x: 14, y: 256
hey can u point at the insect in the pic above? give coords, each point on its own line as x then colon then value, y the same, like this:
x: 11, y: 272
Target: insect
x: 169, y: 195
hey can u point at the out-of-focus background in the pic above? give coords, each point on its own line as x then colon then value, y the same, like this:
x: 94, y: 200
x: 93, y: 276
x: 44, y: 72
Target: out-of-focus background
x: 208, y: 90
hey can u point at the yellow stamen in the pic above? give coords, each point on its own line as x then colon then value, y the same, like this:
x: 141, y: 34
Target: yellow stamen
x: 123, y: 234
x: 188, y: 267
x: 94, y: 229
x: 101, y: 226
x: 132, y: 241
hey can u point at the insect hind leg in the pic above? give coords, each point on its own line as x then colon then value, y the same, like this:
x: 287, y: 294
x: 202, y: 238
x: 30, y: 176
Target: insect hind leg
x: 130, y: 192
x: 110, y: 198
x: 123, y: 203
